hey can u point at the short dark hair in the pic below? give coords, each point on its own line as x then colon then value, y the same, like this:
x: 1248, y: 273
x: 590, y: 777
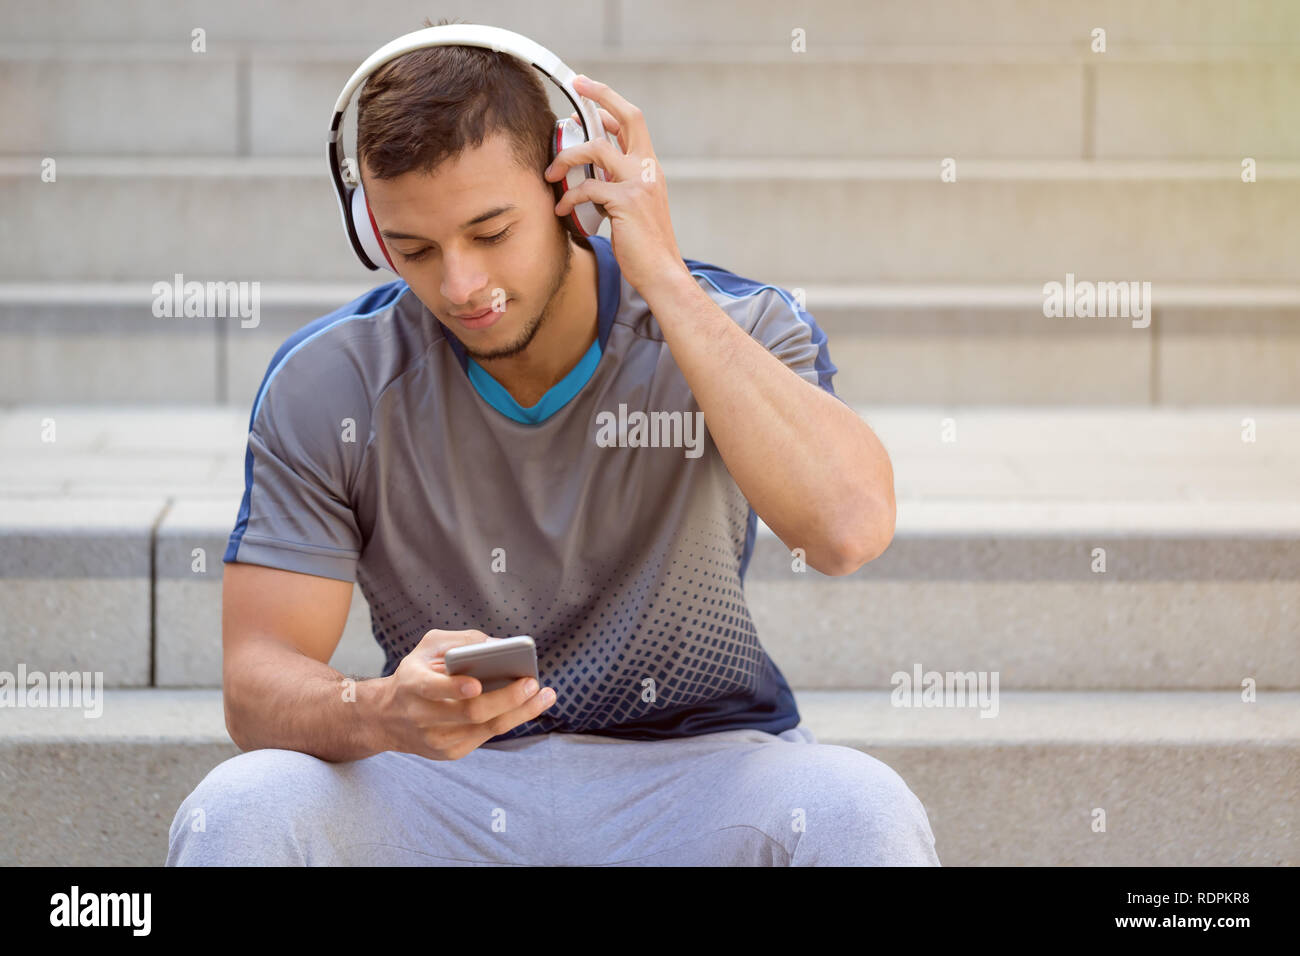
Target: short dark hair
x: 429, y: 106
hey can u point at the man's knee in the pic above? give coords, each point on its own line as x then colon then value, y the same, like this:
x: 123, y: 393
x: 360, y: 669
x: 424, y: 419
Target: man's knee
x: 254, y: 809
x: 866, y: 815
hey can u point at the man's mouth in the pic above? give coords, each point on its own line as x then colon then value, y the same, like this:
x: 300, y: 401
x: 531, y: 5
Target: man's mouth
x: 481, y: 320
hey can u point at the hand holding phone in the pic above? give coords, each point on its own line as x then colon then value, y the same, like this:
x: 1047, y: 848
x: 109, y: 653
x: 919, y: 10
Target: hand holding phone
x: 425, y: 710
x: 494, y: 662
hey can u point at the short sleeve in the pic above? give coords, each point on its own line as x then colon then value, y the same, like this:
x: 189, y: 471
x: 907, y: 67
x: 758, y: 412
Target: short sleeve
x: 302, y: 447
x: 792, y: 335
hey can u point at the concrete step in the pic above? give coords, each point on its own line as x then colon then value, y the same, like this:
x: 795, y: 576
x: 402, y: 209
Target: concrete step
x: 112, y: 538
x: 234, y: 220
x: 893, y: 344
x: 1183, y: 778
x: 128, y: 100
x: 625, y: 24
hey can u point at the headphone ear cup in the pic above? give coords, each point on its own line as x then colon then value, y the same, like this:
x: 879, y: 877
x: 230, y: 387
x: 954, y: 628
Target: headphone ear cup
x: 585, y: 217
x: 363, y: 223
x: 558, y: 186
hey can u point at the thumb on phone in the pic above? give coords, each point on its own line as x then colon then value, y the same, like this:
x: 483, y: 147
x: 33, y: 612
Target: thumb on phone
x: 435, y: 643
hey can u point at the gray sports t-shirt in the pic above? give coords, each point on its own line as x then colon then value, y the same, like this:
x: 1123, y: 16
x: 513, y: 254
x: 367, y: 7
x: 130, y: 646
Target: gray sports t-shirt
x: 599, y: 521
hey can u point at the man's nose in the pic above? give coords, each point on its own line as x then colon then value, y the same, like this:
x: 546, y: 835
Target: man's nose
x: 461, y: 278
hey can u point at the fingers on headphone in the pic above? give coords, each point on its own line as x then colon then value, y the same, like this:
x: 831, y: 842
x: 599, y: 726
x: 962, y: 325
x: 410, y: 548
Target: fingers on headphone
x: 611, y: 124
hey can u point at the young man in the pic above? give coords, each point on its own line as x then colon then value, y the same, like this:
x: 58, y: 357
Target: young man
x: 464, y: 442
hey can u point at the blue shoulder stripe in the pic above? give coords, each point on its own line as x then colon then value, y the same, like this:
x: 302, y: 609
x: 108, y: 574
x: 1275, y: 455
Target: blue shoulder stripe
x: 739, y: 287
x: 372, y: 303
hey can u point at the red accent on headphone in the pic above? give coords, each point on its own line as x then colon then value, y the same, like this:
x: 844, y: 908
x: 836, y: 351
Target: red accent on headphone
x: 374, y: 226
x: 563, y: 183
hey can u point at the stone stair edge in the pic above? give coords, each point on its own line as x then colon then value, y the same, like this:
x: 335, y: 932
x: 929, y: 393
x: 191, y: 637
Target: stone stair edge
x: 1073, y: 52
x: 920, y: 168
x: 69, y: 516
x: 1024, y: 718
x: 309, y: 293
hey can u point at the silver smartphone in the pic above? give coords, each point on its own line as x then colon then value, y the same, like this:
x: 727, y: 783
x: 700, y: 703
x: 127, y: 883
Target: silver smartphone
x: 494, y: 663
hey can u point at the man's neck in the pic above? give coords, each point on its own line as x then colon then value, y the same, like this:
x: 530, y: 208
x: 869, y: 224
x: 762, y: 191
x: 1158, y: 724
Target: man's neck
x: 562, y: 340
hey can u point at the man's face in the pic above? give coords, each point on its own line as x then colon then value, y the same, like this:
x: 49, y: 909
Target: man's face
x: 461, y: 267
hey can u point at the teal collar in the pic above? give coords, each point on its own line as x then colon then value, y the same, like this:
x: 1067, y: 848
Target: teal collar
x: 556, y: 397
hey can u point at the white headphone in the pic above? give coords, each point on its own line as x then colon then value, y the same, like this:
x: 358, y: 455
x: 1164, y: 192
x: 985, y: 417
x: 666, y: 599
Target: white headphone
x: 358, y: 220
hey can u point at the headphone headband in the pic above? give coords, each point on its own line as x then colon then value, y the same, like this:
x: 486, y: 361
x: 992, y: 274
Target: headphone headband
x: 457, y: 34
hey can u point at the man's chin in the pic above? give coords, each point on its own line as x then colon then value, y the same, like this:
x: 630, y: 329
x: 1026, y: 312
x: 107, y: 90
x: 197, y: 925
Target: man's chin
x: 499, y: 341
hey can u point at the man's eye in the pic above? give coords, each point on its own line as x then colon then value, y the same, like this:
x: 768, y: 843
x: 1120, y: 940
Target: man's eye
x: 486, y: 240
x: 499, y: 237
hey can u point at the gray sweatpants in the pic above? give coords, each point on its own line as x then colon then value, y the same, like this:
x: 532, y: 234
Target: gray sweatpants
x: 733, y: 798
